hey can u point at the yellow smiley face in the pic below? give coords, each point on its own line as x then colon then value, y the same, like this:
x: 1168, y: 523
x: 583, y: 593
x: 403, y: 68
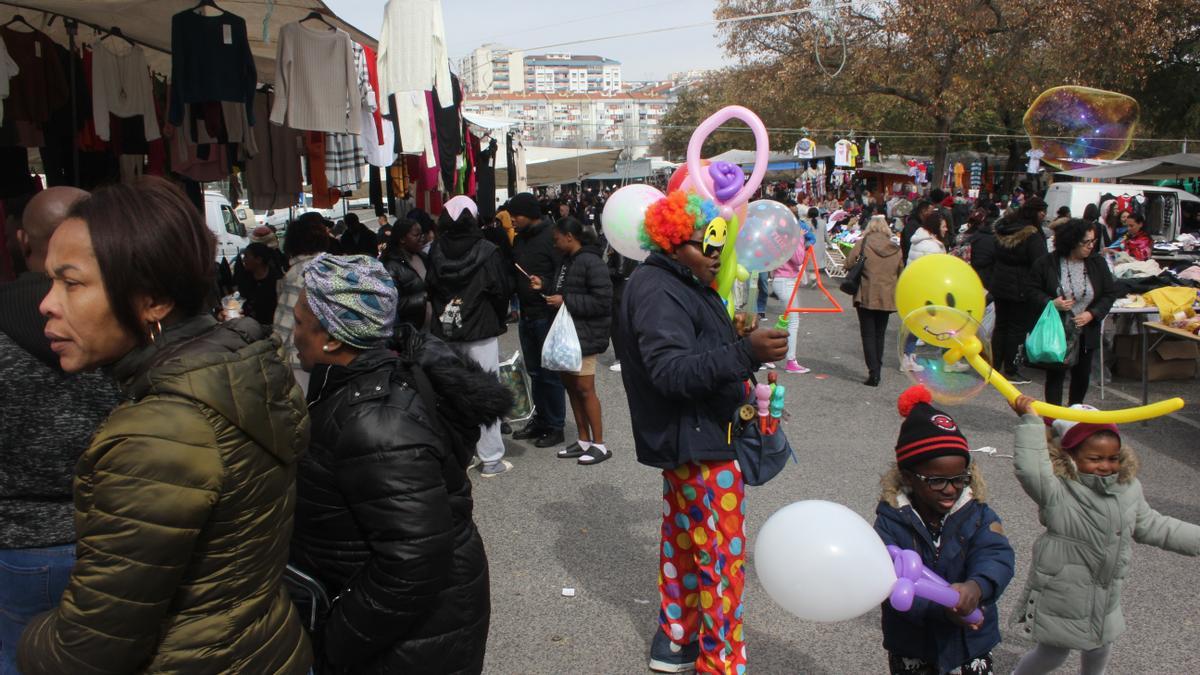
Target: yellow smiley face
x: 716, y: 233
x: 944, y: 288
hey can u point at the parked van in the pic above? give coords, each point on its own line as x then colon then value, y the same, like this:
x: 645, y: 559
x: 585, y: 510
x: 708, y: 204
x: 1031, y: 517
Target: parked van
x: 226, y: 227
x: 1161, y: 205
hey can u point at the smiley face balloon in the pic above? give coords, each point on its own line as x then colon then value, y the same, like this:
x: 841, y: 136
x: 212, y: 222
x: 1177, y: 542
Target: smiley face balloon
x: 940, y: 281
x: 942, y: 301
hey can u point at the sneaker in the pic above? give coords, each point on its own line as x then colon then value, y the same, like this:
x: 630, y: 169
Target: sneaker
x: 958, y: 367
x: 767, y: 366
x: 475, y: 461
x: 594, y: 455
x: 1017, y: 377
x: 549, y: 439
x: 572, y: 451
x: 492, y: 469
x: 793, y: 367
x: 505, y: 428
x: 908, y: 364
x: 762, y: 316
x: 528, y: 431
x: 616, y: 367
x: 668, y: 657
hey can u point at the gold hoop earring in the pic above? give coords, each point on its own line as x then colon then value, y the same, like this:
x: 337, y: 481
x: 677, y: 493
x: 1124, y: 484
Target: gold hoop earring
x: 155, y: 331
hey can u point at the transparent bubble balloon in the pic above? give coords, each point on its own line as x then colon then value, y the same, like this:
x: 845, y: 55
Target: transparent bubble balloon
x: 768, y: 237
x: 929, y: 334
x: 1070, y: 124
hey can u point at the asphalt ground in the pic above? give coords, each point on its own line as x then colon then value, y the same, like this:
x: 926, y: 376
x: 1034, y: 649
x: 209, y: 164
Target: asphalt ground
x: 551, y: 524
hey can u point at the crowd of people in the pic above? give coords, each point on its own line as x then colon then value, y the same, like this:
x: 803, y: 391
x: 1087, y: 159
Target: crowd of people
x: 178, y: 446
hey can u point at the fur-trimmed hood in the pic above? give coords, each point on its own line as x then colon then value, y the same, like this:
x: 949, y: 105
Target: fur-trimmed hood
x: 1013, y: 234
x: 1064, y: 464
x: 892, y: 484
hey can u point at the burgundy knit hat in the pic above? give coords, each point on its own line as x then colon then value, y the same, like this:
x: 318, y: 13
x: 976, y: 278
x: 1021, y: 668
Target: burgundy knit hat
x: 926, y: 432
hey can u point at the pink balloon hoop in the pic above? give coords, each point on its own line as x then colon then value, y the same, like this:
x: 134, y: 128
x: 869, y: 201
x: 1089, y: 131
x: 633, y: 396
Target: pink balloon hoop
x: 761, y: 154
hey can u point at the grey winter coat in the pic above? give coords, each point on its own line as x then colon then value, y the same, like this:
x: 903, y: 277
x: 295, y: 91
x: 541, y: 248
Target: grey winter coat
x: 1073, y: 596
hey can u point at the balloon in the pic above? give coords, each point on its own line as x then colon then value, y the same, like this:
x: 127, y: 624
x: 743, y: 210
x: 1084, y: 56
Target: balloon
x: 761, y: 153
x: 769, y: 236
x: 622, y: 218
x: 681, y: 179
x: 948, y: 382
x: 728, y: 270
x: 942, y: 282
x: 823, y: 562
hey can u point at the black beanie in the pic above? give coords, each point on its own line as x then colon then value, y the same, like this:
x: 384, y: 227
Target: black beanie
x: 525, y: 204
x: 926, y: 432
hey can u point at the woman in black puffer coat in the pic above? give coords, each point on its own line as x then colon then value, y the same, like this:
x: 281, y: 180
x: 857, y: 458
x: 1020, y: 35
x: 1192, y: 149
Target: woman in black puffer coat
x: 1019, y: 244
x: 408, y: 267
x: 384, y: 508
x: 583, y: 284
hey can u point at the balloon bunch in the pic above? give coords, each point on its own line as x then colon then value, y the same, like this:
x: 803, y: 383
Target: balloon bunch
x: 758, y: 236
x: 941, y: 300
x: 823, y: 562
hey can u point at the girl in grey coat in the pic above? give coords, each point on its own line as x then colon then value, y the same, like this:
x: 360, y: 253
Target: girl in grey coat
x: 1084, y: 482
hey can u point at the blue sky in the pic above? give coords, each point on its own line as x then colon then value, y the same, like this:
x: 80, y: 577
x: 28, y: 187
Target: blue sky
x: 524, y: 24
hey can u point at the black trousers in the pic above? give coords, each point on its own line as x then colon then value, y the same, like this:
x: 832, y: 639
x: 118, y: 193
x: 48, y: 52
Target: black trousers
x: 1014, y: 319
x: 872, y: 325
x: 1081, y: 378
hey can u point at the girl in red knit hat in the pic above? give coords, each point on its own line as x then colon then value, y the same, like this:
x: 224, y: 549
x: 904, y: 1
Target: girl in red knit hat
x: 934, y: 502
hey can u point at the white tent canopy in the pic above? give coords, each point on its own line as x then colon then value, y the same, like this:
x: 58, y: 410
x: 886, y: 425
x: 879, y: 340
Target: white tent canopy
x: 1166, y: 167
x: 553, y: 166
x: 148, y: 22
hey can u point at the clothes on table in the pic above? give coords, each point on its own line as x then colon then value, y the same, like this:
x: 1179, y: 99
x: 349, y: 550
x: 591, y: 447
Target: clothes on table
x: 316, y: 83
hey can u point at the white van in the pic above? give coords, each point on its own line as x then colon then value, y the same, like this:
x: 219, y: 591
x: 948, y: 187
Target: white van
x: 1161, y: 205
x: 226, y: 227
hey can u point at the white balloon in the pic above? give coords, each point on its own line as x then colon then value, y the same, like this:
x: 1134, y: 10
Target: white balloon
x: 623, y: 215
x: 823, y: 562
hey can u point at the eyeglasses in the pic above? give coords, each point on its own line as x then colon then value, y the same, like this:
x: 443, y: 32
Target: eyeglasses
x: 705, y: 249
x: 939, y: 483
x: 1088, y: 242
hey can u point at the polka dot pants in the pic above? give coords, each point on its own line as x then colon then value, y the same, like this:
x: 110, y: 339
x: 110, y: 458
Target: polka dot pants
x: 703, y: 556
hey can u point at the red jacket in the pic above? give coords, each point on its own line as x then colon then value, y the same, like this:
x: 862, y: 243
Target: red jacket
x: 1139, y: 245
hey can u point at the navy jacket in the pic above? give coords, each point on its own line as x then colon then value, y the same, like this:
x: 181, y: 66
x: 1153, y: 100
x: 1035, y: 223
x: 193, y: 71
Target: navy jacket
x: 683, y: 365
x: 973, y: 548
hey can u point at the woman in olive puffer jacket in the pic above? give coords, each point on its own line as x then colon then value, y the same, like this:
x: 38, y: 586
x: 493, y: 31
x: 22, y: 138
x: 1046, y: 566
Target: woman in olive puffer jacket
x: 184, y: 499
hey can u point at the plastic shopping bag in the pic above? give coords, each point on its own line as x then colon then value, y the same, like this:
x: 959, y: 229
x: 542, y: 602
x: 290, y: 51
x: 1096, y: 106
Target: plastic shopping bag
x: 561, y: 351
x: 989, y: 322
x: 514, y: 376
x: 1047, y: 342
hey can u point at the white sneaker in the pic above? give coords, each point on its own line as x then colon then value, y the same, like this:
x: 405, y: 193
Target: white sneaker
x: 958, y: 367
x: 616, y: 367
x: 767, y: 366
x: 908, y: 364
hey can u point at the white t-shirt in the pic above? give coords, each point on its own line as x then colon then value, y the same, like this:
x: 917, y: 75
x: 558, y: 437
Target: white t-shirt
x: 841, y: 153
x: 805, y: 147
x: 1035, y: 160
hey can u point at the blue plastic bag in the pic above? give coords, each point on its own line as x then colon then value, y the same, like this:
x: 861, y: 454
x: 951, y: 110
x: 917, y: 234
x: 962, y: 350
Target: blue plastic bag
x: 1047, y: 342
x: 561, y: 350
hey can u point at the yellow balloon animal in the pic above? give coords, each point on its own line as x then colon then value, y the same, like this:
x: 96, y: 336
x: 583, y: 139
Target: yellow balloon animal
x: 935, y: 296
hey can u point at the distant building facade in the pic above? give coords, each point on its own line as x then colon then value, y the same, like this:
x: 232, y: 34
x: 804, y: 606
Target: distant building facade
x: 624, y: 119
x: 492, y: 69
x: 578, y: 74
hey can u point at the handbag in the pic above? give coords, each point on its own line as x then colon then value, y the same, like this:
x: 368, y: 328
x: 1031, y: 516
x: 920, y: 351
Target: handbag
x: 853, y: 279
x: 760, y: 456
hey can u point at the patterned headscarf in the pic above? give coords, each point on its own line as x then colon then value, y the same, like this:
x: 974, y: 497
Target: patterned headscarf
x: 353, y: 297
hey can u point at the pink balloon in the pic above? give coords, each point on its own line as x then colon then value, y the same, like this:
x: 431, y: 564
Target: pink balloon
x: 761, y: 153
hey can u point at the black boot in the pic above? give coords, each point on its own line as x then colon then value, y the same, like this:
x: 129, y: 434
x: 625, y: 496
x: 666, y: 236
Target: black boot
x: 529, y: 431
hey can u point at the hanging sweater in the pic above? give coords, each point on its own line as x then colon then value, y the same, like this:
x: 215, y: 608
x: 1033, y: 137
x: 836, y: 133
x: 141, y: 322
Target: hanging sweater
x: 210, y: 61
x: 121, y: 86
x: 8, y: 69
x: 316, y: 84
x: 413, y: 60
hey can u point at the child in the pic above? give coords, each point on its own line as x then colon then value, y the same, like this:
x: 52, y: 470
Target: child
x: 1093, y: 508
x: 934, y: 502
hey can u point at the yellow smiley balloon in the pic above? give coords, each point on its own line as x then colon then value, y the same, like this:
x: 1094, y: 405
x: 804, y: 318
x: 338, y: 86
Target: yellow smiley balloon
x: 936, y: 282
x: 940, y: 281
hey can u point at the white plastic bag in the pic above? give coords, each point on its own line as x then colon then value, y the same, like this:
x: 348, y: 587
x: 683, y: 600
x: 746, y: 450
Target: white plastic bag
x: 561, y: 350
x: 988, y: 324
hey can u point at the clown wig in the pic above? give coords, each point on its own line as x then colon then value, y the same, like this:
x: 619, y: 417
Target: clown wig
x: 671, y: 221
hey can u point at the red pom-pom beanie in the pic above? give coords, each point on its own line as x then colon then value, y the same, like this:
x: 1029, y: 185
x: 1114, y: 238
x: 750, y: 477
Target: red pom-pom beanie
x: 926, y: 432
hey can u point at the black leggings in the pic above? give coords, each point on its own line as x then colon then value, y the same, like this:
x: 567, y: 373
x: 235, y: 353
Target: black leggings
x: 1081, y: 376
x: 872, y: 324
x: 1013, y: 321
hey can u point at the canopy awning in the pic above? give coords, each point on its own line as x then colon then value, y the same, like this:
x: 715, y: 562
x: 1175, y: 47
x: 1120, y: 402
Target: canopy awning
x: 148, y: 22
x: 635, y: 169
x: 782, y: 160
x: 553, y: 166
x: 1166, y: 167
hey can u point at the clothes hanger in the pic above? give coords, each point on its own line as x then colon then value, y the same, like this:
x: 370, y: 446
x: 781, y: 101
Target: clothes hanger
x: 207, y: 3
x: 319, y: 17
x: 17, y: 18
x: 115, y: 31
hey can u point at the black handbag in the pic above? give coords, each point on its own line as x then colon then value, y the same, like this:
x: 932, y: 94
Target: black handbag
x: 853, y: 279
x: 1074, y: 344
x: 760, y: 456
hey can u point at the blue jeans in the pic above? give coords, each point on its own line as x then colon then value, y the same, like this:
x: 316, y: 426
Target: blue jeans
x: 764, y: 293
x: 549, y: 395
x: 32, y: 581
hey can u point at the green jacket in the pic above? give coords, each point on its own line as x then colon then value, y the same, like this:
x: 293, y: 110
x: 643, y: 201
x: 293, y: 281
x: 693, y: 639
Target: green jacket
x: 1073, y: 595
x: 183, y: 513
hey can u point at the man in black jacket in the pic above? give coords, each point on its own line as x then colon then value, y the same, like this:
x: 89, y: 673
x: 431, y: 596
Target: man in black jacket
x: 533, y: 251
x: 686, y: 373
x: 47, y: 419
